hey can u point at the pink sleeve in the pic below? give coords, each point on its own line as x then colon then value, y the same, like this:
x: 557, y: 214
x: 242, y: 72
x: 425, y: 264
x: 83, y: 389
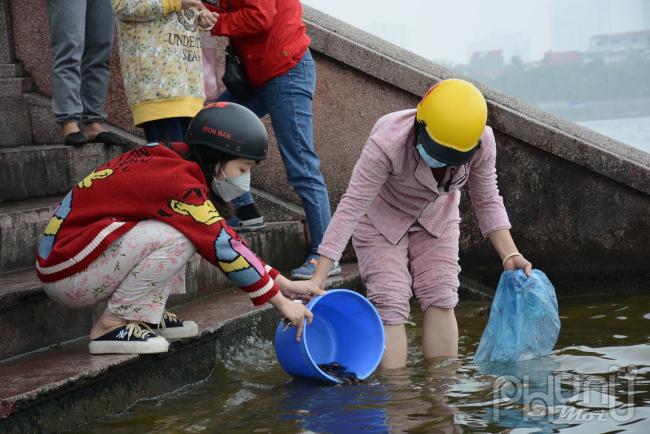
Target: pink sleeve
x: 483, y: 189
x: 368, y: 177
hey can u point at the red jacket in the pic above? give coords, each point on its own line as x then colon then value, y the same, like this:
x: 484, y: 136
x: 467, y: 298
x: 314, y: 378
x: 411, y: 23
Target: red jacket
x: 150, y: 182
x: 269, y: 35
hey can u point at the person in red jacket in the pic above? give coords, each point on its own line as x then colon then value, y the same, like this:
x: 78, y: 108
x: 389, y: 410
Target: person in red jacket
x: 270, y: 38
x: 126, y: 231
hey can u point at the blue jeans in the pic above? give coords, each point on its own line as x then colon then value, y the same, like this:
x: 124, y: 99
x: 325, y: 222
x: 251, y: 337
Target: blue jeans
x: 166, y: 130
x: 288, y: 99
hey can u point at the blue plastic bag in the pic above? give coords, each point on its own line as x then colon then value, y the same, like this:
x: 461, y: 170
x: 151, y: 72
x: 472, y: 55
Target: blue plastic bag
x: 524, y: 321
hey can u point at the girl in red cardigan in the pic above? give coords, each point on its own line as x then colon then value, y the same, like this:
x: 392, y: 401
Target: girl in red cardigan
x: 126, y: 231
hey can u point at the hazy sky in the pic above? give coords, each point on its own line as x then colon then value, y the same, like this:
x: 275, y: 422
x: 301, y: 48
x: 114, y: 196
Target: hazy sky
x: 451, y: 30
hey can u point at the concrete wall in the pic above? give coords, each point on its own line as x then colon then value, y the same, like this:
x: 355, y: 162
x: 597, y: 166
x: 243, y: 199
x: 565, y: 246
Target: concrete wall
x: 578, y: 201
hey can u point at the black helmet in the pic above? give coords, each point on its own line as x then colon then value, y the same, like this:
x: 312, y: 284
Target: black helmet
x: 231, y: 129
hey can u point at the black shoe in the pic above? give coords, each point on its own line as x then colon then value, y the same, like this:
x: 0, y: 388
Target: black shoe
x: 247, y: 219
x: 75, y: 139
x: 133, y: 338
x: 170, y: 327
x: 108, y: 138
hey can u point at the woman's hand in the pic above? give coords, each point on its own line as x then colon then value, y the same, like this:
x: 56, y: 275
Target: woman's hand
x: 516, y: 262
x: 505, y: 247
x: 301, y: 289
x: 294, y: 313
x: 322, y: 270
x: 207, y: 19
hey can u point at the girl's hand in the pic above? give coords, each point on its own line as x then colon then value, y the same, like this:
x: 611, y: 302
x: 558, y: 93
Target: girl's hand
x: 516, y: 262
x: 322, y: 270
x: 301, y: 289
x: 320, y: 283
x: 207, y: 19
x: 294, y: 313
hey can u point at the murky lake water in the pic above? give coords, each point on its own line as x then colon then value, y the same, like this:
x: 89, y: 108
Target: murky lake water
x: 597, y: 381
x: 632, y: 131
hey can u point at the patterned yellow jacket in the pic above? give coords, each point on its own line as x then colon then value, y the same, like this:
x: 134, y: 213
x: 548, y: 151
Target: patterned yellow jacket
x: 160, y: 53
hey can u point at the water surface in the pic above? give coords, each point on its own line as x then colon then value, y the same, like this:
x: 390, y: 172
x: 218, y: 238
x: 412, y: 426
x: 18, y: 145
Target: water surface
x: 598, y: 380
x: 632, y: 131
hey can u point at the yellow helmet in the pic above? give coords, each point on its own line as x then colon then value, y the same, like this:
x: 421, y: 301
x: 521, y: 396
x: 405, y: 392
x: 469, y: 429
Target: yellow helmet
x: 450, y: 120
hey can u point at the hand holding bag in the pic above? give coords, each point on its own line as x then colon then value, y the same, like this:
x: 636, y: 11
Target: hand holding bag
x: 524, y: 320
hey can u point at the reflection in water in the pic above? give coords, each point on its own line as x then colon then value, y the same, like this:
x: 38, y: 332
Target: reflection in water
x: 342, y: 409
x: 597, y: 381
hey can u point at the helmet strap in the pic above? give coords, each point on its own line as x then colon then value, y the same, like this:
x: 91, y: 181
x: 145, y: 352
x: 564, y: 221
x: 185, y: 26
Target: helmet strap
x: 416, y: 132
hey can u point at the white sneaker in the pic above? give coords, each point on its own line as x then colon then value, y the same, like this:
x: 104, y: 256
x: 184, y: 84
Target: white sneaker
x: 170, y: 327
x: 133, y: 338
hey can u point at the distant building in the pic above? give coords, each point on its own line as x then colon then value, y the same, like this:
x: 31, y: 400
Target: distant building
x: 511, y: 44
x: 619, y: 47
x: 554, y: 58
x: 485, y: 64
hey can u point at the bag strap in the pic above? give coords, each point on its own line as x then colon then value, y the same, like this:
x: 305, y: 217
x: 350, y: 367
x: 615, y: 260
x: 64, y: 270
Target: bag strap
x: 228, y: 10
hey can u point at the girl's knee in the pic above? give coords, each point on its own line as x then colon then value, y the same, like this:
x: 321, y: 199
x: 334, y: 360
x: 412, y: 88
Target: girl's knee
x: 184, y: 246
x: 445, y: 298
x: 391, y: 311
x: 437, y: 290
x: 170, y: 238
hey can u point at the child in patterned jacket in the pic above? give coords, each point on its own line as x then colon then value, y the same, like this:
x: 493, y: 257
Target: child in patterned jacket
x: 127, y: 230
x: 160, y: 54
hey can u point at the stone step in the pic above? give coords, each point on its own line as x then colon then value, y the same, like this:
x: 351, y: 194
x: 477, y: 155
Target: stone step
x: 21, y: 225
x: 65, y: 387
x: 276, y: 209
x: 15, y: 125
x: 45, y: 130
x: 31, y: 320
x: 46, y: 170
x: 14, y: 87
x: 11, y: 70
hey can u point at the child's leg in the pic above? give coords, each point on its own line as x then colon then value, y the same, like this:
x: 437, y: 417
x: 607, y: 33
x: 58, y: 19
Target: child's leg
x: 170, y: 285
x: 138, y: 271
x: 384, y: 270
x: 440, y: 333
x: 434, y: 266
x: 396, y: 347
x: 142, y: 295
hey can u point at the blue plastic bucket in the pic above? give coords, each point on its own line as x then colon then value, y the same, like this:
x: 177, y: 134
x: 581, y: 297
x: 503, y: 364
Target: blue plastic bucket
x: 346, y: 329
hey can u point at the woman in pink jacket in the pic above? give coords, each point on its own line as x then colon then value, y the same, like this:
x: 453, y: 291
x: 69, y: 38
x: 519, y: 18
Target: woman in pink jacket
x: 401, y: 210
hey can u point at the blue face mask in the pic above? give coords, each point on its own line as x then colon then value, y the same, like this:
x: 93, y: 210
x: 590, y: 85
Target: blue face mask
x: 431, y: 162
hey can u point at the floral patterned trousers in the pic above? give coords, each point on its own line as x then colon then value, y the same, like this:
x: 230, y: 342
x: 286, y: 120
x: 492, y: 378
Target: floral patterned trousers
x: 137, y: 271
